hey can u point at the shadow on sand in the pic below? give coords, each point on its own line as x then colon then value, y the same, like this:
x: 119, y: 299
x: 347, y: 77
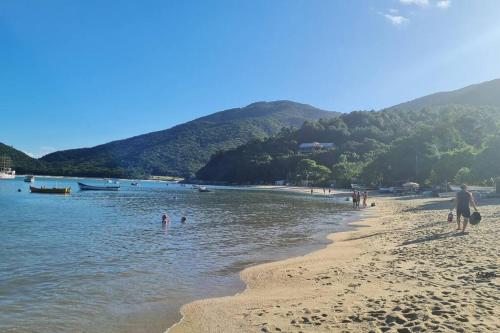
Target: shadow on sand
x: 435, y: 237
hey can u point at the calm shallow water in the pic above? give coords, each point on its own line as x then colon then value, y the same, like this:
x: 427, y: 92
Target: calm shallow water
x: 102, y: 262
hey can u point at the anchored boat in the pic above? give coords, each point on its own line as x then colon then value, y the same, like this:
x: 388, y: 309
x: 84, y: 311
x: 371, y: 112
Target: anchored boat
x: 29, y: 179
x: 53, y: 190
x: 85, y: 187
x: 6, y: 171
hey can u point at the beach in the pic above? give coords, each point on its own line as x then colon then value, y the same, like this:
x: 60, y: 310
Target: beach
x: 403, y: 269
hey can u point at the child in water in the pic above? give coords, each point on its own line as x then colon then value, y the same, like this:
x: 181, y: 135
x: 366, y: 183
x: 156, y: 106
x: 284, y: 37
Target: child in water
x: 165, y: 219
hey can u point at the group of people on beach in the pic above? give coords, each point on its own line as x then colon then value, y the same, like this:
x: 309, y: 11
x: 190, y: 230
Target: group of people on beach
x: 356, y: 198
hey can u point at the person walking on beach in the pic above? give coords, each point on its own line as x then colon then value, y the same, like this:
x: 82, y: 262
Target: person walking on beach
x: 358, y: 199
x: 463, y: 200
x: 365, y: 198
x: 354, y: 198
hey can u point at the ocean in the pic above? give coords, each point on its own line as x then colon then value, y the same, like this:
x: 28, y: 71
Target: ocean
x: 103, y: 261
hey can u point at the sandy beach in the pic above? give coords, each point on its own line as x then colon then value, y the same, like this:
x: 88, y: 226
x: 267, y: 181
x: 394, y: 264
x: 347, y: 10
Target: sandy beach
x: 404, y: 269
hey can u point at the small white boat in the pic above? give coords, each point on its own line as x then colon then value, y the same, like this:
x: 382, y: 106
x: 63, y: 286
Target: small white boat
x: 5, y: 170
x: 386, y: 190
x: 203, y: 189
x: 456, y: 188
x: 29, y: 179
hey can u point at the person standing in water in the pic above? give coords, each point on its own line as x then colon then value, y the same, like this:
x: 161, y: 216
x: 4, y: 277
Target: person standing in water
x: 463, y: 200
x: 354, y: 198
x: 165, y: 219
x: 365, y: 198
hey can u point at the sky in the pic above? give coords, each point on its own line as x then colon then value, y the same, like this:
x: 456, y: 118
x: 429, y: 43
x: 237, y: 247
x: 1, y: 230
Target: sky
x: 81, y: 73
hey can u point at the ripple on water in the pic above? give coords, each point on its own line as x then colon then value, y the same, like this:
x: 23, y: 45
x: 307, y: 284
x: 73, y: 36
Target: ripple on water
x: 96, y: 261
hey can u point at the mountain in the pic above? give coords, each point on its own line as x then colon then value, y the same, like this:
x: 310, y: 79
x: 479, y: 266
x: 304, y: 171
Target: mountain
x: 21, y: 162
x: 481, y: 94
x: 183, y: 149
x: 440, y: 137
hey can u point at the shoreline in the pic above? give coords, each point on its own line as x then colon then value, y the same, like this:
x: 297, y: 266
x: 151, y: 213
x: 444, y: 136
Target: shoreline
x: 350, y: 222
x: 355, y: 221
x: 397, y: 269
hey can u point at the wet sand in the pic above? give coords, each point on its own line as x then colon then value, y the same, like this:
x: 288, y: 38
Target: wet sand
x: 405, y: 269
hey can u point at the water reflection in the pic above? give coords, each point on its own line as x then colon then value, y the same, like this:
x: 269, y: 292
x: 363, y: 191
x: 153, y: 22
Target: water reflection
x: 103, y: 261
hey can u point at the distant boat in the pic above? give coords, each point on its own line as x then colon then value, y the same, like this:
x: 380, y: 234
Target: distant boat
x: 457, y: 188
x: 85, y: 187
x: 5, y: 168
x: 386, y: 190
x: 29, y: 179
x: 53, y: 190
x: 203, y: 189
x: 134, y: 184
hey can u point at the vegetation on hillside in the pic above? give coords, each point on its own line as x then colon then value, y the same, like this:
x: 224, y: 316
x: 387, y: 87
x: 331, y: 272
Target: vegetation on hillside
x: 437, y: 144
x: 21, y: 162
x: 183, y: 149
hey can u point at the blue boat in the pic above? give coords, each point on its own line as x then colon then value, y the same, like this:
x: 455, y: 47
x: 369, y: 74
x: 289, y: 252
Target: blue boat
x: 85, y: 187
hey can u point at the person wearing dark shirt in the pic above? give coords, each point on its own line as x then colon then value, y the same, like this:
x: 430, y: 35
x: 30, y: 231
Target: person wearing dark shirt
x: 463, y: 200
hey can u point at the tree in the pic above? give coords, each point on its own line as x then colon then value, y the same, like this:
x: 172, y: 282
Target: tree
x: 487, y: 164
x: 344, y: 171
x: 309, y: 170
x: 464, y: 176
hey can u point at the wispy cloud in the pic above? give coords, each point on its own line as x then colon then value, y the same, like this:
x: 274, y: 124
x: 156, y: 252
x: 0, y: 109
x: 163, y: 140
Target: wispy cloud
x: 443, y: 4
x: 393, y: 10
x: 396, y: 20
x: 421, y: 3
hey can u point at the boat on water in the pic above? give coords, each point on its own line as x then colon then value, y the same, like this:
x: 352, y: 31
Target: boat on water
x: 386, y: 190
x: 134, y: 184
x: 203, y: 189
x: 85, y: 187
x: 456, y: 188
x: 6, y: 171
x: 50, y: 190
x: 29, y: 179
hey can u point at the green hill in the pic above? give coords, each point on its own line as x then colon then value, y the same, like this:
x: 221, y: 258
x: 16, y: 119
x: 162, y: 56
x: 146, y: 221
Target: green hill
x: 183, y: 149
x: 481, y: 94
x: 21, y: 162
x: 440, y: 137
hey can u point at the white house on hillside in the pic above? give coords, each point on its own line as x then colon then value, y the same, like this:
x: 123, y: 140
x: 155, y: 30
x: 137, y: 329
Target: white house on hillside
x: 312, y: 146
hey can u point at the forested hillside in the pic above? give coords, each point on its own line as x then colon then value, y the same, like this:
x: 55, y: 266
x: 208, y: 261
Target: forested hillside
x: 476, y: 95
x: 21, y: 162
x: 430, y: 146
x: 183, y: 149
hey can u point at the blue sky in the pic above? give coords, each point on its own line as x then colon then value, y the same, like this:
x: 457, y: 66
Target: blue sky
x: 81, y: 73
